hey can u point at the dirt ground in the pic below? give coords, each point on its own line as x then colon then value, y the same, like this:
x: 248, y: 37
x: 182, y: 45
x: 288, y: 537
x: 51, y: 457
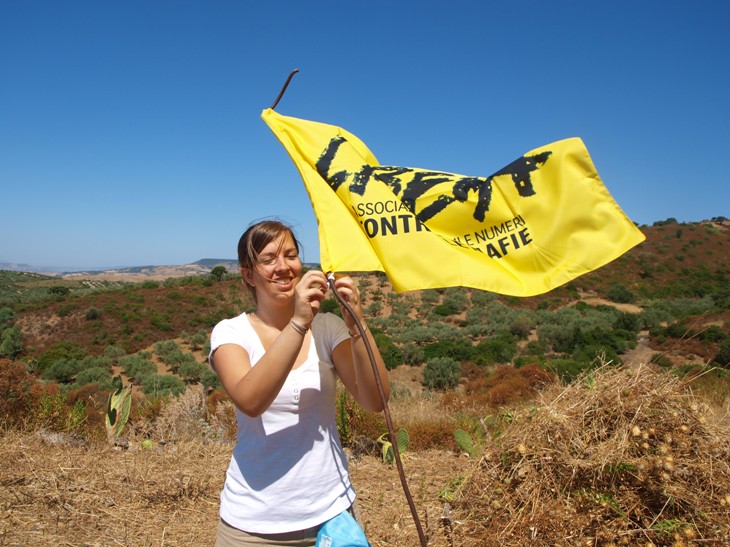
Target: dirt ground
x: 54, y: 493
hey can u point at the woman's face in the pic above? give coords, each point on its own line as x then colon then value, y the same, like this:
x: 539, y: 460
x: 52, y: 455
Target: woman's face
x: 277, y: 270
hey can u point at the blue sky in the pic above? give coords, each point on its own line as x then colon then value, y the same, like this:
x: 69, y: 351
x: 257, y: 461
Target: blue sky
x: 130, y: 131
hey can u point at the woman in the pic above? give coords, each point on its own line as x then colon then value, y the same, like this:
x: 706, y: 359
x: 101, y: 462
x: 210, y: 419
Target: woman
x: 279, y: 365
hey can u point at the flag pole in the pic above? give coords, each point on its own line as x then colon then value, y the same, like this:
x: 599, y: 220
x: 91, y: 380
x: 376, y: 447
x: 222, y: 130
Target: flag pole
x: 283, y: 89
x: 386, y: 411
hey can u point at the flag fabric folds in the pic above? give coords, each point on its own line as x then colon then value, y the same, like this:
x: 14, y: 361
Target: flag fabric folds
x: 534, y: 225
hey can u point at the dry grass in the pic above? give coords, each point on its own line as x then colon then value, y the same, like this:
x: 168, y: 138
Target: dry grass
x: 620, y: 457
x: 53, y: 493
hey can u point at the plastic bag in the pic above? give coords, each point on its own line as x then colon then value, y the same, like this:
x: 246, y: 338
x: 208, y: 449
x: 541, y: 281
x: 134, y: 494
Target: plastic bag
x: 341, y: 531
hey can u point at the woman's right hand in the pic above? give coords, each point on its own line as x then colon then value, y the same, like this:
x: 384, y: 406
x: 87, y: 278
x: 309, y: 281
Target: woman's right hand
x: 308, y: 296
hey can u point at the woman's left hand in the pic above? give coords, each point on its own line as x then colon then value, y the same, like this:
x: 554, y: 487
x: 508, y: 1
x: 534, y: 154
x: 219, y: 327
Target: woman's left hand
x: 347, y: 288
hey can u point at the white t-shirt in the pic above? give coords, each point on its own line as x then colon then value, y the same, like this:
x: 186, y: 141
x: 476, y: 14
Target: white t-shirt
x: 288, y: 471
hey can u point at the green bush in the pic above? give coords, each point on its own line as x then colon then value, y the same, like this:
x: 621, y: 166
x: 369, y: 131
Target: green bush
x: 7, y: 318
x: 441, y: 373
x: 568, y: 369
x: 163, y: 385
x: 94, y: 375
x: 459, y: 350
x: 114, y: 352
x: 412, y: 354
x: 60, y: 350
x: 723, y: 354
x: 392, y: 355
x: 210, y: 380
x: 192, y: 371
x: 63, y: 371
x: 137, y: 368
x: 500, y: 349
x: 11, y: 343
x: 621, y: 294
x: 93, y: 314
x: 521, y: 327
x: 330, y: 305
x: 713, y: 333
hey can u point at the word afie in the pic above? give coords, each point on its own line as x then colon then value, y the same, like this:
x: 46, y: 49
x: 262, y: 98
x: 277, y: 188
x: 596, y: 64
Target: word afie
x: 388, y: 224
x: 411, y: 184
x: 497, y: 241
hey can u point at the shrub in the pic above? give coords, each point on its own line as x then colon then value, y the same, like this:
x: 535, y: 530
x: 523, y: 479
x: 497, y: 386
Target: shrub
x: 713, y: 333
x: 93, y: 314
x: 94, y: 375
x: 210, y: 380
x: 60, y: 350
x: 114, y: 352
x: 723, y: 354
x: 162, y: 385
x: 137, y: 368
x: 166, y: 347
x: 392, y: 355
x: 459, y: 350
x: 568, y: 369
x: 441, y: 373
x: 621, y: 294
x: 16, y: 396
x: 500, y: 349
x: 330, y: 305
x: 521, y: 327
x: 192, y: 371
x: 412, y: 354
x: 630, y: 322
x: 7, y: 318
x: 63, y: 370
x: 11, y: 343
x: 197, y: 340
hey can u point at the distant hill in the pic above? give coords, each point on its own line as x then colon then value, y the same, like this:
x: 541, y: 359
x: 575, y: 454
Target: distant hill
x: 154, y: 272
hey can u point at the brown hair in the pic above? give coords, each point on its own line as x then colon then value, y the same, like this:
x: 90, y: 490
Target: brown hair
x: 255, y: 238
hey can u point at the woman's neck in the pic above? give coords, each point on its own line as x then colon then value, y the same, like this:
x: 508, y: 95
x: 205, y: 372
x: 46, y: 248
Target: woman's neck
x: 274, y: 316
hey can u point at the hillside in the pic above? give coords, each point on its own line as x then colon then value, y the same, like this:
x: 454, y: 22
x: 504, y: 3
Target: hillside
x: 556, y: 441
x: 676, y: 262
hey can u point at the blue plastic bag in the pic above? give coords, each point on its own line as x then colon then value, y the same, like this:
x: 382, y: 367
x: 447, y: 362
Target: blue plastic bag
x: 341, y: 531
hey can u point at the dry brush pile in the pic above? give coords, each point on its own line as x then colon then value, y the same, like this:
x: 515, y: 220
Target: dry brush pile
x: 620, y: 457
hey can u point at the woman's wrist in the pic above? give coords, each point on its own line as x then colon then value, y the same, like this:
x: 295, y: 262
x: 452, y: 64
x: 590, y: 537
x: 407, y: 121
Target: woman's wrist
x: 355, y: 335
x: 298, y: 327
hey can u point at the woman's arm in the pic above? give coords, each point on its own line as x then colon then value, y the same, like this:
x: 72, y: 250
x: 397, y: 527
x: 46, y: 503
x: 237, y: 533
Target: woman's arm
x: 351, y: 357
x: 253, y: 388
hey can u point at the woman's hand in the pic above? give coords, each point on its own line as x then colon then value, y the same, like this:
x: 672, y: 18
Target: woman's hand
x: 348, y: 290
x: 308, y: 296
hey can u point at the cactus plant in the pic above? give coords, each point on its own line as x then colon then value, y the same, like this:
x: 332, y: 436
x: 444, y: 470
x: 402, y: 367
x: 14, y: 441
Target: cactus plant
x: 463, y: 439
x: 117, y: 409
x: 401, y: 438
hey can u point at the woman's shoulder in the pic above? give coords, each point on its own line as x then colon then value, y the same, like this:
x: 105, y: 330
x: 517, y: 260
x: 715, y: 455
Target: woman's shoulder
x: 234, y: 323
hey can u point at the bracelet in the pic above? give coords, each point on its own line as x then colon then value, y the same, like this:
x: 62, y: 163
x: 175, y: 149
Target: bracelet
x: 301, y: 329
x: 357, y: 334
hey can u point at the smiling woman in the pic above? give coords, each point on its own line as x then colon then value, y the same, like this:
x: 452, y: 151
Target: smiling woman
x: 280, y: 365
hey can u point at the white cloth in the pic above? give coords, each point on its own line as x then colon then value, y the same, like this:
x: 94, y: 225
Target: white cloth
x: 288, y: 471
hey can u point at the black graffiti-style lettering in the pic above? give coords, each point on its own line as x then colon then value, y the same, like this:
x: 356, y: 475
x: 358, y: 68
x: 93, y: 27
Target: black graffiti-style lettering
x: 409, y: 184
x: 324, y: 163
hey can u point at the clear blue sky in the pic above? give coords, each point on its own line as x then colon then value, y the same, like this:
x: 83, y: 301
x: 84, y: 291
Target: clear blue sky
x: 130, y: 131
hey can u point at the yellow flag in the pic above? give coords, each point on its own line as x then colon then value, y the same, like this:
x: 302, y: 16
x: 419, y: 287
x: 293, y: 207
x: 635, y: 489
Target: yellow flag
x: 538, y: 223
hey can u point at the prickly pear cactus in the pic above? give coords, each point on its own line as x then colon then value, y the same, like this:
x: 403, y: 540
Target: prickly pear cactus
x: 117, y: 410
x: 463, y: 439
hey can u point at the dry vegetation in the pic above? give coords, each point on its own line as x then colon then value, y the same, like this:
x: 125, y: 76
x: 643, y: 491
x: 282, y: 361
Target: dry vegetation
x: 629, y: 455
x: 623, y: 456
